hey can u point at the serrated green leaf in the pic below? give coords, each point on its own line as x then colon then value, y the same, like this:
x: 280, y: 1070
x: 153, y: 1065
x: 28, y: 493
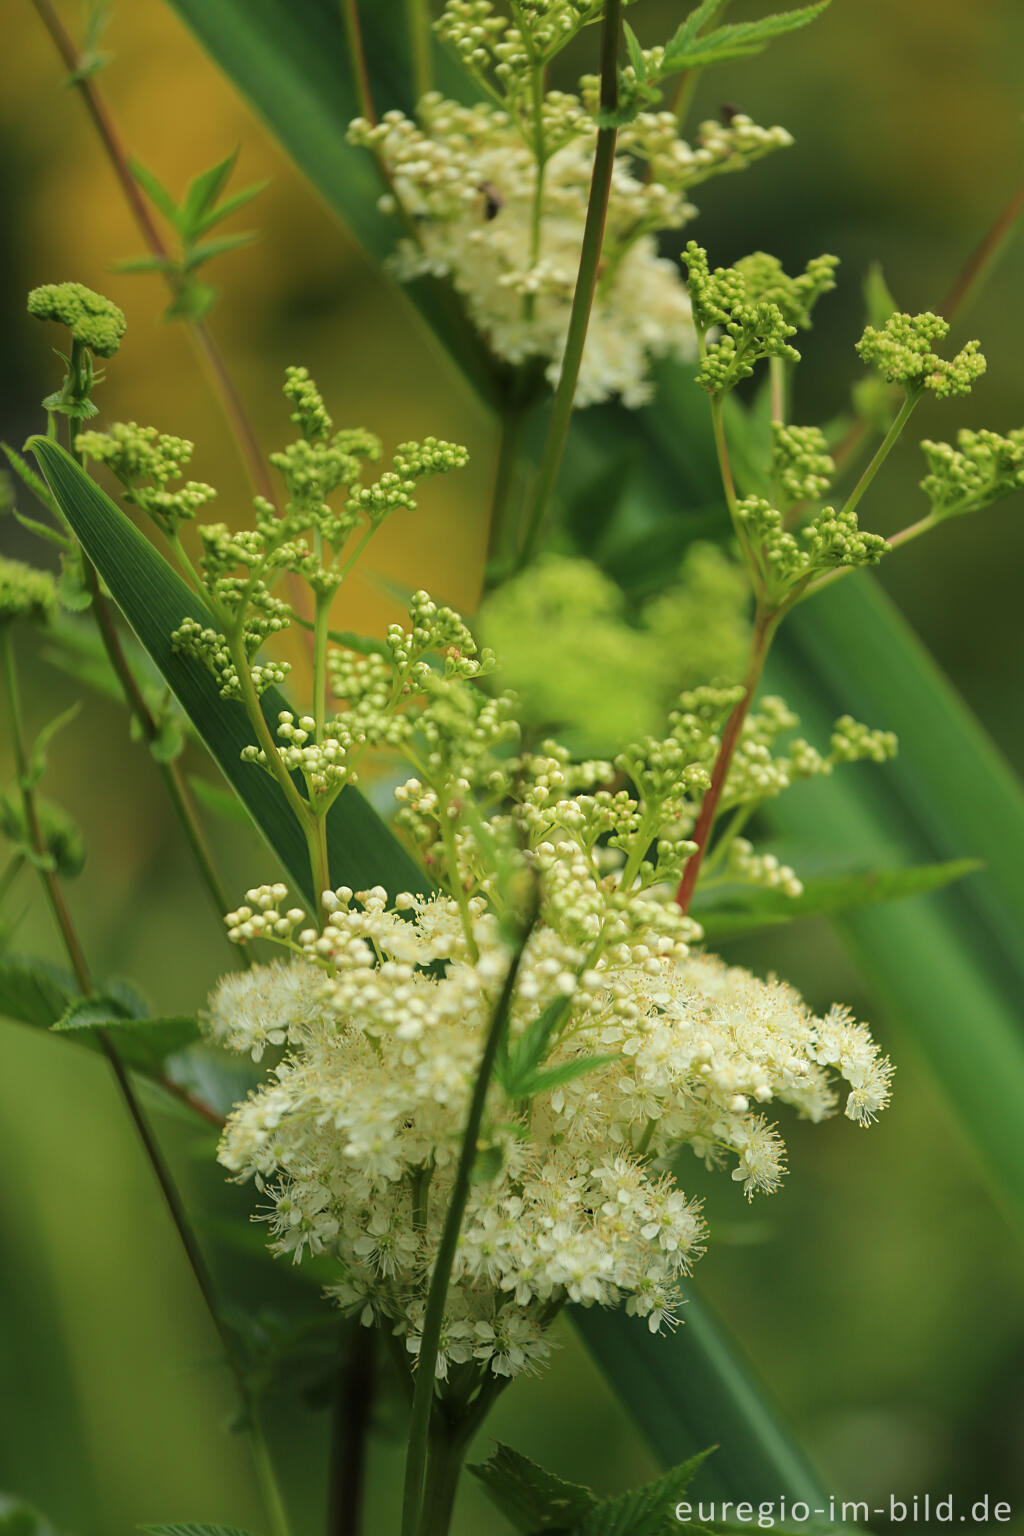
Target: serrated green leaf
x: 33, y: 991
x: 748, y: 911
x: 206, y: 250
x: 154, y: 600
x: 156, y: 192
x: 142, y: 1044
x: 191, y: 1529
x: 691, y: 25
x: 203, y: 193
x: 736, y: 40
x: 229, y: 206
x: 532, y: 1083
x: 635, y: 52
x: 531, y: 1498
x: 645, y: 1511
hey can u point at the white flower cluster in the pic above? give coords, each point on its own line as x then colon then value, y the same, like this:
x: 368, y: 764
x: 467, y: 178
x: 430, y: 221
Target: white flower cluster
x: 498, y: 206
x: 379, y: 1020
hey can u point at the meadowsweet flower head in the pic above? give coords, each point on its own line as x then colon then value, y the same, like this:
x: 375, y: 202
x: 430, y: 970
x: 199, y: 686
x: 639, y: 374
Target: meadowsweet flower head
x: 94, y: 322
x: 26, y: 593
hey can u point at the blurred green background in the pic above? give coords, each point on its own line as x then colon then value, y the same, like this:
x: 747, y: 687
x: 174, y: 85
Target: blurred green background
x: 879, y: 1292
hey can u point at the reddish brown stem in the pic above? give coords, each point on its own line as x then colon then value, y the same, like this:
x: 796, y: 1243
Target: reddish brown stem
x: 103, y: 122
x: 764, y: 629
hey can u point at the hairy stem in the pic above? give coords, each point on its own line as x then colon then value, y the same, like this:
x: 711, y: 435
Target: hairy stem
x: 241, y: 429
x: 414, y: 1513
x: 765, y: 626
x: 586, y: 283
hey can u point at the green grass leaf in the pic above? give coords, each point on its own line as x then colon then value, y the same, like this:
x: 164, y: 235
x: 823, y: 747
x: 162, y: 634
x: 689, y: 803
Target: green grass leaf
x: 154, y: 600
x: 747, y: 911
x: 685, y: 1388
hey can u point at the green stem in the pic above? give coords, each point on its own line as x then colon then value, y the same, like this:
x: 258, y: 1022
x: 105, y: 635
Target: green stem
x: 357, y: 54
x: 503, y: 499
x: 321, y: 622
x: 413, y: 1511
x: 586, y: 283
x: 882, y: 452
x: 765, y: 626
x: 417, y: 14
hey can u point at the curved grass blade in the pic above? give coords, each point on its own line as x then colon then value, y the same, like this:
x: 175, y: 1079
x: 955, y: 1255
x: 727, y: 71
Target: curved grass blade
x: 692, y: 1387
x: 154, y: 600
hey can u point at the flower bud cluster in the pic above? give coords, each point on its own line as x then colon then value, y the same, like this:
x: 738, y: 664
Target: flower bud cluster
x: 146, y: 461
x: 756, y: 308
x: 983, y: 468
x: 26, y: 593
x: 903, y: 352
x: 786, y: 563
x: 802, y: 468
x: 94, y: 322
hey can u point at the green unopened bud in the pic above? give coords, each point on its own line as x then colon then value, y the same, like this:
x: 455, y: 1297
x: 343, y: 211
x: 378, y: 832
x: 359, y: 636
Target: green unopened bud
x: 903, y: 352
x: 25, y: 593
x: 93, y: 321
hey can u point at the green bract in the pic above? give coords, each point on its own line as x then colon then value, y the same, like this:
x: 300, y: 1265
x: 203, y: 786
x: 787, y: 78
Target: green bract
x: 94, y: 322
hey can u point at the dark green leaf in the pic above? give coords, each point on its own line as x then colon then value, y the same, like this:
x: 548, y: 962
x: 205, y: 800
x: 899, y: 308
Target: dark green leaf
x: 646, y: 1511
x: 686, y: 1387
x: 34, y: 992
x: 154, y: 600
x: 142, y: 1044
x: 746, y: 911
x: 530, y: 1498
